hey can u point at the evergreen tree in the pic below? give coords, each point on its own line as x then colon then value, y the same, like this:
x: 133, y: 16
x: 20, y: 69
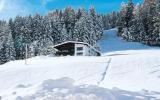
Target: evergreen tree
x: 9, y: 45
x: 64, y: 35
x: 69, y: 18
x: 156, y: 20
x: 19, y: 42
x: 96, y: 24
x: 2, y: 43
x: 28, y: 32
x: 121, y: 20
x: 56, y: 25
x: 2, y: 54
x: 7, y: 50
x: 38, y: 31
x: 129, y: 12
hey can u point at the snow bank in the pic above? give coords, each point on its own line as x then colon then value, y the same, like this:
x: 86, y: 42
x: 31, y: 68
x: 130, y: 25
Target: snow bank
x: 64, y: 89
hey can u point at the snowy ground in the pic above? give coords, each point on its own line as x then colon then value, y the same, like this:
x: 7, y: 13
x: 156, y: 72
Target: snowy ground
x: 126, y: 71
x: 133, y: 66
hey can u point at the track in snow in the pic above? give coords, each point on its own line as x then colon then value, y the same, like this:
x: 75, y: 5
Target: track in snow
x: 105, y: 71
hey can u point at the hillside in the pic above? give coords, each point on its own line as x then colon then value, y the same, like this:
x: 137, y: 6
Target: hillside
x: 132, y: 64
x: 123, y: 67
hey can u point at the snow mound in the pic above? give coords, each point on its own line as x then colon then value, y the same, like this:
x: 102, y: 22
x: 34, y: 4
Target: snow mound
x: 50, y: 84
x: 64, y: 89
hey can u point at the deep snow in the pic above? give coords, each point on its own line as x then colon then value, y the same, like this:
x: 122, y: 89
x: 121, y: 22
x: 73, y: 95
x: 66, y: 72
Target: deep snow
x: 123, y: 67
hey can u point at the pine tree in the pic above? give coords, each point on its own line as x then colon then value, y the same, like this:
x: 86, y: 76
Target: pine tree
x: 96, y: 23
x: 19, y: 42
x: 2, y: 43
x: 56, y: 25
x: 7, y: 50
x: 9, y: 45
x: 79, y: 29
x: 2, y: 54
x: 64, y: 35
x: 38, y: 33
x: 69, y: 18
x: 121, y: 20
x: 37, y: 27
x: 156, y: 31
x: 156, y: 20
x: 129, y: 12
x: 49, y: 40
x: 28, y: 33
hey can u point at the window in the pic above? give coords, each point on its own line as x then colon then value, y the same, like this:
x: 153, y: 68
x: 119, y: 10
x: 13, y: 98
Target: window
x: 79, y: 48
x: 79, y: 53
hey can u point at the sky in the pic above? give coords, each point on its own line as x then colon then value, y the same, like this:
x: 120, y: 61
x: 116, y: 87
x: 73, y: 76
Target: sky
x: 12, y: 8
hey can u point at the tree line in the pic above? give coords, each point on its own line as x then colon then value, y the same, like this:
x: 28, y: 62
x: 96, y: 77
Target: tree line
x: 40, y: 32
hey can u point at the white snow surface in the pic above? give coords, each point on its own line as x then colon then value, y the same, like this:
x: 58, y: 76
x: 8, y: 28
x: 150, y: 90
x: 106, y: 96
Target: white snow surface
x: 125, y: 71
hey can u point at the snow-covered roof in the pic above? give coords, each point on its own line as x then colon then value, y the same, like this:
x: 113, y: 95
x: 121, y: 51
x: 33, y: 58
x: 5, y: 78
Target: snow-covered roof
x: 76, y: 42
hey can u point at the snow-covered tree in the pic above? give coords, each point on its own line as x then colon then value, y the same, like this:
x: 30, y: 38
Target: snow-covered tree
x: 129, y: 12
x: 7, y: 50
x: 69, y: 18
x: 96, y: 22
x: 9, y: 45
x: 121, y: 20
x: 64, y: 35
x: 19, y: 42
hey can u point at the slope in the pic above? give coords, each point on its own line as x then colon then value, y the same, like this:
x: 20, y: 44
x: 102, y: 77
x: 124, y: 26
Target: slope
x: 123, y: 67
x: 110, y: 43
x: 134, y: 66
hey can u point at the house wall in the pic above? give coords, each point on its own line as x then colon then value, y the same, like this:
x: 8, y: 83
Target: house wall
x: 87, y: 51
x: 77, y: 52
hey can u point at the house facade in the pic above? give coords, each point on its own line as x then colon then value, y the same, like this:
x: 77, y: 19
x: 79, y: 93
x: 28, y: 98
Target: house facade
x: 74, y: 48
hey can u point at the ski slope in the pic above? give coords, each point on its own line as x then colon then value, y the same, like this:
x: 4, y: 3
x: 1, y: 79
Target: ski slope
x: 125, y: 71
x: 133, y: 65
x: 111, y: 43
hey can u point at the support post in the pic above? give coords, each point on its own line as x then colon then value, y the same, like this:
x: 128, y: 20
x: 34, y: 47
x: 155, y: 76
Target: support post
x: 26, y: 55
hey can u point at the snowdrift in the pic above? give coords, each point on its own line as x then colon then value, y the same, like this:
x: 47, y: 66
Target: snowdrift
x: 64, y: 89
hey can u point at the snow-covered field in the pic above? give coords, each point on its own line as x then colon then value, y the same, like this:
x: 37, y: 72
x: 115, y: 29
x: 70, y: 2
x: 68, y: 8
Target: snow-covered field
x: 126, y: 71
